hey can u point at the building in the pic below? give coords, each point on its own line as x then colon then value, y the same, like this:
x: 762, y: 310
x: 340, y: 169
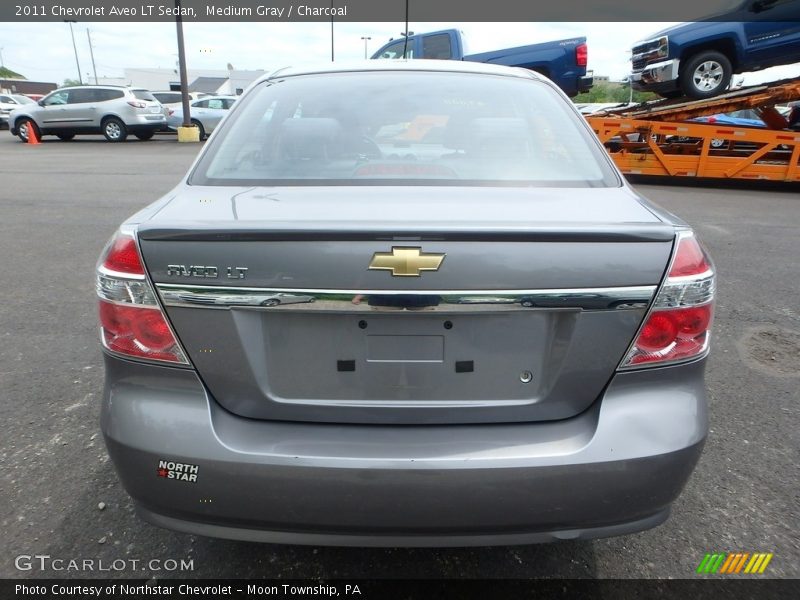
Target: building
x: 605, y: 80
x: 25, y: 86
x: 209, y: 81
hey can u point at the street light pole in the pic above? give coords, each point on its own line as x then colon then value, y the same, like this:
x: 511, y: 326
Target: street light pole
x: 75, y: 48
x: 331, y: 30
x: 366, y: 39
x: 187, y: 118
x: 91, y: 53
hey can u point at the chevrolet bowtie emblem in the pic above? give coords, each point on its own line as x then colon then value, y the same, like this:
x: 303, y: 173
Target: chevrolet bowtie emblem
x: 406, y: 262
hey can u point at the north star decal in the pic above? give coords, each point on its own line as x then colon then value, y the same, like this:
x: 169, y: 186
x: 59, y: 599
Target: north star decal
x: 179, y: 471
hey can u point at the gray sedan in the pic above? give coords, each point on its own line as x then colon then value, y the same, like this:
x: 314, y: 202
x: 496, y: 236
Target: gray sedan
x: 205, y: 113
x: 507, y: 343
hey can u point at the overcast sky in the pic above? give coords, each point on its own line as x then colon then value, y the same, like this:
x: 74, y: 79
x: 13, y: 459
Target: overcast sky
x: 43, y: 51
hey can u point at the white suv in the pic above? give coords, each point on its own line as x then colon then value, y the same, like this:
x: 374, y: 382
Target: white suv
x: 9, y: 102
x: 111, y: 110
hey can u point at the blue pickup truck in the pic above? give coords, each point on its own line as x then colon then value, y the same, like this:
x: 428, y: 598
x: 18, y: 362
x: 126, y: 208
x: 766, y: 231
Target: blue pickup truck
x: 698, y: 59
x: 562, y: 61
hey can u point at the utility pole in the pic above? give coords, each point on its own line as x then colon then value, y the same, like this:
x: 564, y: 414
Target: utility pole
x: 91, y: 53
x: 2, y: 64
x: 75, y: 48
x: 366, y: 39
x: 331, y: 30
x: 187, y: 117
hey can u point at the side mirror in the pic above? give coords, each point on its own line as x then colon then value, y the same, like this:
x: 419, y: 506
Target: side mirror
x: 40, y: 102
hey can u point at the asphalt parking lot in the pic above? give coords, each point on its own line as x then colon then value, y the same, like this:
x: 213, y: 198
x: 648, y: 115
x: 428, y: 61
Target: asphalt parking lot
x: 60, y: 203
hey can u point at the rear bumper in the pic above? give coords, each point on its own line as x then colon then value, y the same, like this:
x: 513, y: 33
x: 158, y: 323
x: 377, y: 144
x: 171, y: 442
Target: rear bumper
x: 573, y: 84
x: 612, y: 470
x: 147, y: 122
x: 585, y: 83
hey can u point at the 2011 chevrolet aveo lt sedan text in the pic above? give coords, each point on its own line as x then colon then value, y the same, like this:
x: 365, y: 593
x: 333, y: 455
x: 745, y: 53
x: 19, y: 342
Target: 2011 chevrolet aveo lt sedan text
x: 405, y: 304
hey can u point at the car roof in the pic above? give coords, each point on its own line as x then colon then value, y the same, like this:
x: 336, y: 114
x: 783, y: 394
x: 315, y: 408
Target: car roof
x: 440, y: 66
x: 98, y: 87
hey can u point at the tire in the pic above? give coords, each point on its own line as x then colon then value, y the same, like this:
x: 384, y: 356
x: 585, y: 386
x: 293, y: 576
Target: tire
x: 65, y: 137
x: 705, y: 75
x: 271, y: 302
x: 200, y: 128
x: 671, y: 94
x: 114, y: 130
x: 23, y: 126
x: 145, y: 135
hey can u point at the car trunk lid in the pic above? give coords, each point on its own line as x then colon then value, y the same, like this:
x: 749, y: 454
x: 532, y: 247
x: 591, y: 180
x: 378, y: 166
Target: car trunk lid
x: 537, y: 295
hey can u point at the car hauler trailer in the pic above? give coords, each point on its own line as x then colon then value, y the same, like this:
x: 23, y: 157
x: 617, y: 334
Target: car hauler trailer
x: 662, y: 138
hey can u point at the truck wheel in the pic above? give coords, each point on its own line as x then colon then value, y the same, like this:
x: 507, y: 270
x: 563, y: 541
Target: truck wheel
x: 706, y: 74
x: 671, y: 94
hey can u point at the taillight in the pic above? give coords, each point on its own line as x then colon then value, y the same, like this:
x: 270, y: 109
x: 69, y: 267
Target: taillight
x: 582, y: 55
x: 131, y: 320
x: 171, y: 112
x: 679, y: 323
x: 137, y: 104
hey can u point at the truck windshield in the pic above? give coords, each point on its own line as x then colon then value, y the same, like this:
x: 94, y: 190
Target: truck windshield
x: 404, y: 128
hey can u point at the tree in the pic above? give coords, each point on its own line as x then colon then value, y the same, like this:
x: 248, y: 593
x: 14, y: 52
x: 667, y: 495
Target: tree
x: 7, y: 73
x: 602, y: 92
x: 70, y: 82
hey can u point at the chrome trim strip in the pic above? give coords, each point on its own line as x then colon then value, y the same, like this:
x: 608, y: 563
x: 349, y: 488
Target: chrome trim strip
x: 325, y: 300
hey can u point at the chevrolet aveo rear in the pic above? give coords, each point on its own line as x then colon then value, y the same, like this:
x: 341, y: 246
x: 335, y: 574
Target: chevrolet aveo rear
x: 407, y: 304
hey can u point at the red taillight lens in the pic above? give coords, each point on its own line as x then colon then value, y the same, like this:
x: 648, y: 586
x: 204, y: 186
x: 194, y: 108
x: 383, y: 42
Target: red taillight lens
x: 137, y: 331
x: 689, y: 259
x: 675, y: 334
x: 131, y: 321
x: 658, y: 333
x: 171, y: 112
x: 678, y: 326
x: 582, y: 55
x: 137, y: 104
x: 123, y: 257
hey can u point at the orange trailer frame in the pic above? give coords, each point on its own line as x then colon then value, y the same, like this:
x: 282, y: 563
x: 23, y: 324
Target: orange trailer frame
x: 657, y: 138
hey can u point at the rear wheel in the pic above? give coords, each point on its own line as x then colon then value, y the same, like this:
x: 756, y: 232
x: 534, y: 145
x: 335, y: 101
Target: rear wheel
x: 114, y: 130
x: 24, y: 127
x: 144, y: 135
x: 271, y: 302
x: 65, y: 137
x: 671, y: 94
x: 706, y: 74
x: 200, y: 128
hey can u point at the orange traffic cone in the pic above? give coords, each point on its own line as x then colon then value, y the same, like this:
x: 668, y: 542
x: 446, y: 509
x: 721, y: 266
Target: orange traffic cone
x: 32, y: 137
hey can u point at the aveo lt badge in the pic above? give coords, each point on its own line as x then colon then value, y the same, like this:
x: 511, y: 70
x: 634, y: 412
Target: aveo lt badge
x: 406, y: 262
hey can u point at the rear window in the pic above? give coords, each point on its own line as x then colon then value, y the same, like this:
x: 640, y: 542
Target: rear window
x: 144, y: 95
x: 404, y: 128
x: 168, y: 97
x: 104, y: 95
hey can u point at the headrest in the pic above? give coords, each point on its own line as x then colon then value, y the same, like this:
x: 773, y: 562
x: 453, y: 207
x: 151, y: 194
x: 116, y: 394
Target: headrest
x: 308, y: 137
